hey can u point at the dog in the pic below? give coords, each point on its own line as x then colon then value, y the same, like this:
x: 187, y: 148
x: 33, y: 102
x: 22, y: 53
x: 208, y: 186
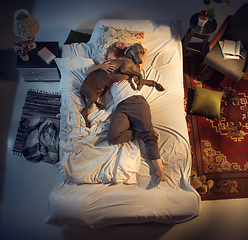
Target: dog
x: 126, y: 67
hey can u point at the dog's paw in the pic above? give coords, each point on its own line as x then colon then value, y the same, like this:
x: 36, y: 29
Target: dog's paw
x: 159, y: 87
x: 139, y: 87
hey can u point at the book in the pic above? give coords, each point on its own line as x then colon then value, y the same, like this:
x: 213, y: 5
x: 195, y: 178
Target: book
x: 46, y: 55
x: 231, y: 49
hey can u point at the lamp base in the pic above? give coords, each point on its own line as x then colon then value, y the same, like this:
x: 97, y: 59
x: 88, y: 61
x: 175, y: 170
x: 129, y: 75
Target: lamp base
x: 34, y: 45
x: 32, y: 42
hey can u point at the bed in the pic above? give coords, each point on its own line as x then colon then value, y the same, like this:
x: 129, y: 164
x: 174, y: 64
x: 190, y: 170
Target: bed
x: 98, y: 184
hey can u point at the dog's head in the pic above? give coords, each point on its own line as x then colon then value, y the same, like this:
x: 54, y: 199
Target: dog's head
x: 135, y: 52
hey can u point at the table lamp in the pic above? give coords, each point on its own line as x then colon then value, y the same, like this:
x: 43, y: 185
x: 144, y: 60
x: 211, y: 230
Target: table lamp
x: 25, y: 25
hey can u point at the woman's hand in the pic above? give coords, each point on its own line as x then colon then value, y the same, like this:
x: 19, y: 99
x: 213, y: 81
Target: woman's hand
x: 107, y: 67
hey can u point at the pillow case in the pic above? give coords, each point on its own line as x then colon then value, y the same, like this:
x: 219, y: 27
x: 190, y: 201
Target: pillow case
x: 67, y: 66
x: 112, y: 35
x: 77, y: 37
x: 206, y: 103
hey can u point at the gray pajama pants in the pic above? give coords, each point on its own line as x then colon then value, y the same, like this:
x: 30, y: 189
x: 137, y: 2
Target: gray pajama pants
x: 133, y: 116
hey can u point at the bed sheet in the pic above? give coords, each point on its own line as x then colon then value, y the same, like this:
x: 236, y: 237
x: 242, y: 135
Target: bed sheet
x: 101, y: 184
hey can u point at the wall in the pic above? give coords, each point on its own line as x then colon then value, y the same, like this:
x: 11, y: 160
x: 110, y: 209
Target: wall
x: 57, y: 17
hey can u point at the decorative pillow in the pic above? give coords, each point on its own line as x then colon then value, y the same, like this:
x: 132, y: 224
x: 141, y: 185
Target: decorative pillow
x: 206, y: 103
x: 112, y: 35
x: 77, y: 37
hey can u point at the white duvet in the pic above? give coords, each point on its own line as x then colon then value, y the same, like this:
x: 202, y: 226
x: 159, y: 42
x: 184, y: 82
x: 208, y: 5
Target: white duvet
x: 100, y: 184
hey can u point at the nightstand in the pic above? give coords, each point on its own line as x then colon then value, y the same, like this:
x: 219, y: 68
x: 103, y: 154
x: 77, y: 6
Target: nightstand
x: 199, y: 32
x: 37, y: 70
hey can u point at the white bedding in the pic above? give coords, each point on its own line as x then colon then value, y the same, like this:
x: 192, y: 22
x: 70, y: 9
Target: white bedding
x: 100, y: 184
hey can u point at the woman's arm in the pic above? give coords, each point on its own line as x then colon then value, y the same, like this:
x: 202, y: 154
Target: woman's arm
x: 143, y: 59
x: 107, y: 67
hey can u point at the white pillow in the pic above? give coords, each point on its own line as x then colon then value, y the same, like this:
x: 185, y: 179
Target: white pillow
x: 68, y: 66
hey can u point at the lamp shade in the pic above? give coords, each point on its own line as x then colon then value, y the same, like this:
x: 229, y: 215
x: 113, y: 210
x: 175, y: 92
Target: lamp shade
x: 24, y: 24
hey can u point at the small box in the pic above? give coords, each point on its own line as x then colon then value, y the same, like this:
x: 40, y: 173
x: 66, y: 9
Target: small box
x: 46, y: 55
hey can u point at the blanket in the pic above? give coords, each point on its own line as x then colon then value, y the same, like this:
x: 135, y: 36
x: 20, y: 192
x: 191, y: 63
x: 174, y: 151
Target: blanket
x: 41, y: 139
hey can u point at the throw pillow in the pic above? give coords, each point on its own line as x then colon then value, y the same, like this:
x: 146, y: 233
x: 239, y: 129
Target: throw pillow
x: 206, y: 103
x: 112, y: 35
x: 77, y: 37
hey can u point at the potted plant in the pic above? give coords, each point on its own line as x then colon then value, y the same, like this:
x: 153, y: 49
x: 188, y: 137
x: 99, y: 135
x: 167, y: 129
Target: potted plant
x: 209, y: 13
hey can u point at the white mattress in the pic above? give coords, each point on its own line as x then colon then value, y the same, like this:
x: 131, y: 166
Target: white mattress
x: 100, y: 184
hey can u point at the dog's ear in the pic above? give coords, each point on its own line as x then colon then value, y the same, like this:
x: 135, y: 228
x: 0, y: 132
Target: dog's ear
x: 128, y: 49
x: 129, y: 52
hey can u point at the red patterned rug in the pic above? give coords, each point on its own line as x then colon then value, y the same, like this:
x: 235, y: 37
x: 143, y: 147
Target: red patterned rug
x: 220, y: 147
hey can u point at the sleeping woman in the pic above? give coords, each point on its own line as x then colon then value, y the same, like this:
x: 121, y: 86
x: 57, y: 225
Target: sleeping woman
x: 132, y: 117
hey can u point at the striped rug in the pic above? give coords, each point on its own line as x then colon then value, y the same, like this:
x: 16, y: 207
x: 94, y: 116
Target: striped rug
x: 37, y: 103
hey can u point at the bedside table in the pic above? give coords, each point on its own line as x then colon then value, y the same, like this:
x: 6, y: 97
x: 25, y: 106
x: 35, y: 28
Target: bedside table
x: 36, y: 69
x: 199, y: 32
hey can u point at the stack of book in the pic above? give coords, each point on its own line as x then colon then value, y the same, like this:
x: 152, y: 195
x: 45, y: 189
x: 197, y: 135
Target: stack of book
x: 231, y: 49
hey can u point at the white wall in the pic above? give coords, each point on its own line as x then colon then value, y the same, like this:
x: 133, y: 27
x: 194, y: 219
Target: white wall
x: 57, y: 17
x: 61, y: 16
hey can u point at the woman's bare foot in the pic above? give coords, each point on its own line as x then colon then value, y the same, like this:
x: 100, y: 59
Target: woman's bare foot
x: 159, y: 169
x: 161, y: 176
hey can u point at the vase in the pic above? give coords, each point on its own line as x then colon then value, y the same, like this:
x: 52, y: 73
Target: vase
x: 202, y: 18
x: 25, y: 58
